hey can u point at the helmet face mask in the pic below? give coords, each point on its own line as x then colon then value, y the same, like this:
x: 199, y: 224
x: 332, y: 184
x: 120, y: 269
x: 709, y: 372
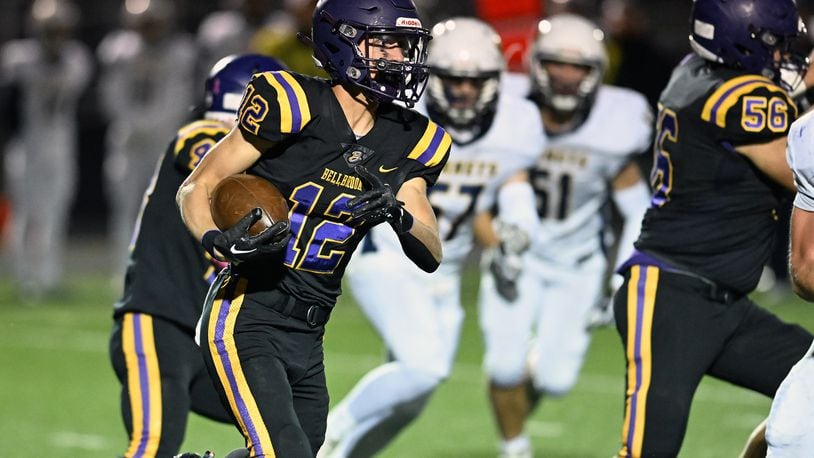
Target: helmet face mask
x: 466, y: 62
x: 567, y: 63
x: 754, y: 36
x: 378, y: 46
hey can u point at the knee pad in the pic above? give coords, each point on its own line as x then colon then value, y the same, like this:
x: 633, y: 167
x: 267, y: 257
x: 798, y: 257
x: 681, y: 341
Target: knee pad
x: 506, y: 372
x: 424, y: 380
x: 555, y: 384
x: 555, y: 379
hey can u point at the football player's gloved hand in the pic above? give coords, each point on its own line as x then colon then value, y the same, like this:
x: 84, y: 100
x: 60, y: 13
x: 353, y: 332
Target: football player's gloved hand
x: 506, y: 260
x: 237, y: 245
x: 601, y: 314
x: 378, y: 204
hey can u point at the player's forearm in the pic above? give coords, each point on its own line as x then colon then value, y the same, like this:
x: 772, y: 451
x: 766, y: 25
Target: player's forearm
x: 802, y: 279
x: 632, y: 202
x: 801, y: 253
x: 423, y: 246
x: 770, y: 158
x: 485, y: 234
x: 193, y: 202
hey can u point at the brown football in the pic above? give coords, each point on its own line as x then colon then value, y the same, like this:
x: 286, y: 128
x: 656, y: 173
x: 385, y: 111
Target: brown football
x: 236, y: 195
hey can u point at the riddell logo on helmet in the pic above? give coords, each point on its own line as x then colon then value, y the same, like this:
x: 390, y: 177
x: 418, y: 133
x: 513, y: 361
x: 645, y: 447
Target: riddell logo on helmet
x: 408, y: 22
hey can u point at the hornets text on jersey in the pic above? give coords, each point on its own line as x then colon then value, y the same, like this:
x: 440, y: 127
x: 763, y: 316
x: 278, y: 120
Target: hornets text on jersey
x: 169, y: 272
x: 312, y: 163
x: 712, y: 211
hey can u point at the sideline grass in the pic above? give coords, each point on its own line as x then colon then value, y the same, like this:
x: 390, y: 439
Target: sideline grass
x: 59, y: 395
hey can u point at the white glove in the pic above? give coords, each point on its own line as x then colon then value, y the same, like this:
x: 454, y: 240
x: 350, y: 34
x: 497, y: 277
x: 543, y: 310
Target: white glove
x: 601, y: 314
x: 506, y: 260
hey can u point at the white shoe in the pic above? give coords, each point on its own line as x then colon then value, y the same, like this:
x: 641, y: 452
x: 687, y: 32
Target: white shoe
x: 330, y: 448
x: 519, y: 447
x: 339, y: 426
x: 516, y: 454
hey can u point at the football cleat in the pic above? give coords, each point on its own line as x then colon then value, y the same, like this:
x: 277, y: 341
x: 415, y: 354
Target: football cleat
x: 238, y: 453
x: 207, y: 454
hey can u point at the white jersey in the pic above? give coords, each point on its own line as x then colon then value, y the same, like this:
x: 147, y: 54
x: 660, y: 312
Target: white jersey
x: 572, y: 178
x: 800, y: 156
x: 474, y: 173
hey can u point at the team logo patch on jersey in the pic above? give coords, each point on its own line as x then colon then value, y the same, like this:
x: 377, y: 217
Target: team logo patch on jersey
x: 356, y: 154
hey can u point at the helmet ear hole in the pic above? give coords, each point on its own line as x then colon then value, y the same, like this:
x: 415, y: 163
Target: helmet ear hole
x: 746, y: 35
x: 332, y: 48
x: 339, y: 26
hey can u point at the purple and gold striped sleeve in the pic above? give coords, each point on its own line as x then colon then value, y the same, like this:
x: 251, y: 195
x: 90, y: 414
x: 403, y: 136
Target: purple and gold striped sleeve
x: 431, y: 152
x: 749, y: 109
x: 274, y: 106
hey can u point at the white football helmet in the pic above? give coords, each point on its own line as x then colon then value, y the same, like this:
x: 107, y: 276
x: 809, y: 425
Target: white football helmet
x: 570, y: 39
x: 464, y: 48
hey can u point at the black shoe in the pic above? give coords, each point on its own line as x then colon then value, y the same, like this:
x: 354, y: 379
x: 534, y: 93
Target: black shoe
x: 207, y: 454
x: 238, y: 453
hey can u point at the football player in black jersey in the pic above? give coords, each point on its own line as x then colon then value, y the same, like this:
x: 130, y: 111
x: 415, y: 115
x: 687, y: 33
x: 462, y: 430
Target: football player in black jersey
x: 346, y: 158
x: 152, y: 346
x: 719, y: 175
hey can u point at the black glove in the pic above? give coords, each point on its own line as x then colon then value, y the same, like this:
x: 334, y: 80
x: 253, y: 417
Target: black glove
x: 378, y: 204
x: 237, y: 245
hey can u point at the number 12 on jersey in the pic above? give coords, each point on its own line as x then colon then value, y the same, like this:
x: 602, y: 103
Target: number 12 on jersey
x: 323, y: 237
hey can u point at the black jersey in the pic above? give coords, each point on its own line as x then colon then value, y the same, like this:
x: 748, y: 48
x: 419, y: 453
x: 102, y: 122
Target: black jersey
x: 312, y: 163
x: 169, y: 272
x: 713, y: 212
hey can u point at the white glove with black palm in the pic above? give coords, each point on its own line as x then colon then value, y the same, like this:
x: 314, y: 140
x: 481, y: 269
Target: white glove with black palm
x: 506, y: 260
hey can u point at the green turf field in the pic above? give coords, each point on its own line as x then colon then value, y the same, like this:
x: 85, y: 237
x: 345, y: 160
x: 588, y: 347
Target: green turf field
x: 58, y: 394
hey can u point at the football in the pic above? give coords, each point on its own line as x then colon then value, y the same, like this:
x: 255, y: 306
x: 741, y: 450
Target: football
x: 237, y: 194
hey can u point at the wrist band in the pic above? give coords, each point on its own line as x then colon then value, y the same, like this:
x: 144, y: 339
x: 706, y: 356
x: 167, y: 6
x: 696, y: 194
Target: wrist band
x: 405, y: 223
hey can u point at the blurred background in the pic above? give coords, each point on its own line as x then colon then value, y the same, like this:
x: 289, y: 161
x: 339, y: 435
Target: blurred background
x: 650, y: 38
x: 116, y: 80
x: 645, y: 38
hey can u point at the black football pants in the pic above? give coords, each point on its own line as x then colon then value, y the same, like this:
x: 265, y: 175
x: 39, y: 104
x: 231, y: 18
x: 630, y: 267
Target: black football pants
x: 163, y: 377
x: 268, y: 368
x: 675, y: 329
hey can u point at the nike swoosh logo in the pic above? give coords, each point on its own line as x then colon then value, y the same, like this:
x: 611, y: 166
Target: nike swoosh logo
x: 236, y: 250
x: 382, y: 169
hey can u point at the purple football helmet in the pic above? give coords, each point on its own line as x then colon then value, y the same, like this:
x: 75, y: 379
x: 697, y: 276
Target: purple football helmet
x: 744, y: 34
x: 228, y: 79
x: 342, y: 34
